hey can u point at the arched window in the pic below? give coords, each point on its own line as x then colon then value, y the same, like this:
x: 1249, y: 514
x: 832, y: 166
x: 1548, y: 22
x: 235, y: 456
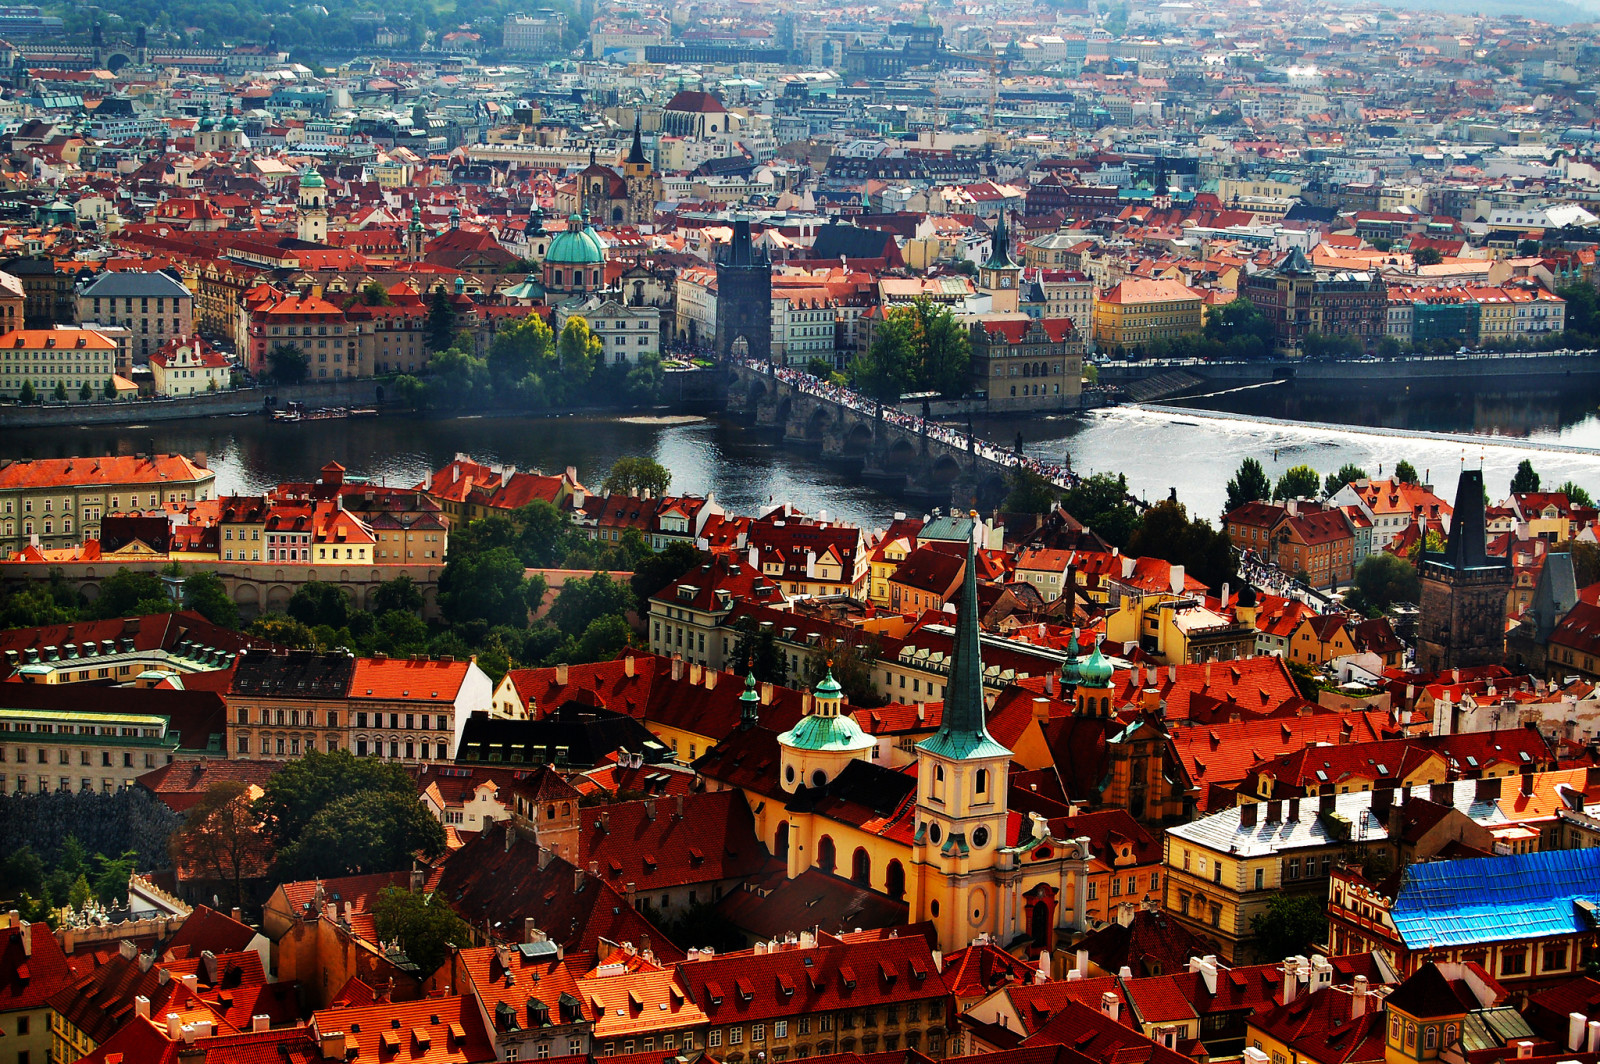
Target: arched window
x: 555, y: 277
x: 894, y: 880
x: 861, y: 867
x: 566, y: 808
x: 827, y: 859
x: 1449, y: 1035
x: 1430, y: 1037
x: 982, y: 785
x: 550, y: 811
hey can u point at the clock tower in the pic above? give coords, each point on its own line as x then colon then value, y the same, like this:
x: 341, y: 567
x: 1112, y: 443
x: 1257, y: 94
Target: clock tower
x: 1000, y: 276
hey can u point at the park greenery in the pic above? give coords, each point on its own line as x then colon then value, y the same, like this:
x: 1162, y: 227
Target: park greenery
x: 528, y: 368
x: 917, y: 348
x: 63, y: 849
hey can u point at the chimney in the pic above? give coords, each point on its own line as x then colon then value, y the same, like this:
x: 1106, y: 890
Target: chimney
x: 1524, y: 1050
x: 561, y: 675
x: 1294, y: 811
x: 333, y: 1045
x: 1042, y: 975
x: 1248, y: 814
x: 191, y: 982
x: 678, y: 814
x: 1082, y: 963
x: 1577, y: 1027
x: 1593, y: 1044
x: 238, y: 915
x: 677, y: 667
x: 1382, y: 801
x: 766, y: 694
x: 174, y: 1026
x: 1527, y: 784
x: 1274, y: 812
x: 259, y: 1023
x: 1326, y: 803
x: 627, y: 665
x: 1291, y: 979
x: 577, y: 880
x: 1358, y: 998
x: 1252, y: 1055
x: 1111, y: 1005
x: 696, y: 674
x: 711, y: 679
x: 141, y: 1006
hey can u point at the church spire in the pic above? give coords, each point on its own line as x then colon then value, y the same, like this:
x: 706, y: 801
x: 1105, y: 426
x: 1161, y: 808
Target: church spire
x: 962, y: 733
x: 1000, y: 257
x: 636, y: 153
x: 750, y: 701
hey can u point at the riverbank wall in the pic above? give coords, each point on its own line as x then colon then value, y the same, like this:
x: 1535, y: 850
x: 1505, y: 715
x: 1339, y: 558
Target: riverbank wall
x: 1513, y: 370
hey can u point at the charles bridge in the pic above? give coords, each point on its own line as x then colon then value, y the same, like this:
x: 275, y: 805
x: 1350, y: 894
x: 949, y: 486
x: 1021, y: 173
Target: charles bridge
x: 883, y: 445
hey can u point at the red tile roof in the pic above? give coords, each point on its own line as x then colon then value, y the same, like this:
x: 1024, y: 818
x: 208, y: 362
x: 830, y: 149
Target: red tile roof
x: 393, y: 679
x: 32, y: 966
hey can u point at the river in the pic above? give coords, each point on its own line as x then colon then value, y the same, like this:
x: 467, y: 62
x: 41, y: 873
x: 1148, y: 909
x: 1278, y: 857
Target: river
x: 1194, y: 447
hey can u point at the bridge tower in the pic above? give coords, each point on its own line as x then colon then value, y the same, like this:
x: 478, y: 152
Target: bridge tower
x: 744, y: 296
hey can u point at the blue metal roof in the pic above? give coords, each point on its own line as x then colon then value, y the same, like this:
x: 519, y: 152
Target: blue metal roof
x: 1492, y: 899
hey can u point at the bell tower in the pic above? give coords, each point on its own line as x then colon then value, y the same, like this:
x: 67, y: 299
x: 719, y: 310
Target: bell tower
x: 416, y: 236
x: 312, y: 224
x: 962, y: 776
x: 644, y: 190
x: 1000, y: 276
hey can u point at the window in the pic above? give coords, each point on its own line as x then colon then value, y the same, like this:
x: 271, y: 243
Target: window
x: 714, y: 1039
x: 1514, y: 963
x: 780, y: 1028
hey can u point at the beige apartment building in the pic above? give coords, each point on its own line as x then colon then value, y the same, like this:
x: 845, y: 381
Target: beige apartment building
x: 61, y: 500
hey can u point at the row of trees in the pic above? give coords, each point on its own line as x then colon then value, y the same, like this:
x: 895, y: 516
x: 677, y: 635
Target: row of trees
x: 28, y: 395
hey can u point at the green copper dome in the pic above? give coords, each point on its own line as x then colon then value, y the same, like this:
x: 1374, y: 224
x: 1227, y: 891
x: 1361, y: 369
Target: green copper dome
x: 312, y: 179
x: 816, y: 732
x: 579, y: 246
x: 828, y: 688
x: 1097, y: 670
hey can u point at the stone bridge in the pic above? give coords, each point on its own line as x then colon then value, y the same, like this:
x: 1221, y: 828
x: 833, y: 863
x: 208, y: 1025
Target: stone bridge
x: 884, y: 448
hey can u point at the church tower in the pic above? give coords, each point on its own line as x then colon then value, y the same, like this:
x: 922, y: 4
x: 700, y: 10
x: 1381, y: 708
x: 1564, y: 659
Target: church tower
x: 1461, y: 618
x: 1000, y: 276
x: 822, y: 742
x: 312, y: 224
x: 744, y: 297
x: 1092, y: 694
x: 961, y: 795
x: 644, y: 190
x: 416, y: 236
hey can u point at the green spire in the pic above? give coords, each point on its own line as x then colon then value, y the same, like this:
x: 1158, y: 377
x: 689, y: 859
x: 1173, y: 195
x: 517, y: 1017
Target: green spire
x: 750, y: 701
x: 1070, y: 669
x: 962, y: 733
x: 1000, y: 256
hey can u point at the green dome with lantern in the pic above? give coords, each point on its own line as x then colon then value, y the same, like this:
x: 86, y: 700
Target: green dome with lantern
x: 579, y: 246
x: 1096, y: 672
x: 312, y: 179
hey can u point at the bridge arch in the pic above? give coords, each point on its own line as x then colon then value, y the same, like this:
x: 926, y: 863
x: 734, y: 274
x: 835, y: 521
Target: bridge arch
x: 901, y: 454
x: 117, y: 60
x: 818, y: 423
x: 858, y: 440
x: 945, y: 469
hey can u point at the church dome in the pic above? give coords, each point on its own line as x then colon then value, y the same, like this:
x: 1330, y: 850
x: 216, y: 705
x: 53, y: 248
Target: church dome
x: 229, y: 123
x: 312, y: 179
x: 827, y: 733
x: 1096, y: 672
x: 579, y: 246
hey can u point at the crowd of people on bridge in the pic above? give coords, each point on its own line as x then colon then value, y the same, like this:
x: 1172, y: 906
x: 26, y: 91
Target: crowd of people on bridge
x: 1060, y: 475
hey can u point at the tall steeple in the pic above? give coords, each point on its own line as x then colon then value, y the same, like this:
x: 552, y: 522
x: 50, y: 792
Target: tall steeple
x: 1468, y: 546
x: 962, y: 733
x: 999, y: 276
x: 636, y: 153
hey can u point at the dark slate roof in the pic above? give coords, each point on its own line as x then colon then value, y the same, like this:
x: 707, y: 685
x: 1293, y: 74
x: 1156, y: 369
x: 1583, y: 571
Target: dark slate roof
x: 587, y: 734
x: 135, y: 284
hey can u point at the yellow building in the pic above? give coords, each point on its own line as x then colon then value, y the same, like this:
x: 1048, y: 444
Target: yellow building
x: 1222, y: 870
x: 61, y: 500
x: 1320, y: 639
x: 1132, y: 314
x: 1177, y: 629
x: 48, y: 358
x: 188, y: 365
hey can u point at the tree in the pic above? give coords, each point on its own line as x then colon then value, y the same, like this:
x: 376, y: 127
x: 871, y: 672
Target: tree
x: 635, y: 474
x: 584, y: 601
x: 1406, y: 473
x: 943, y: 350
x: 441, y: 323
x: 820, y: 368
x: 657, y: 570
x: 411, y: 391
x: 1583, y: 308
x: 204, y: 593
x: 85, y: 393
x: 578, y: 351
x: 222, y: 840
x: 523, y: 356
x: 374, y: 294
x: 1249, y: 484
x: 1031, y: 493
x: 1527, y: 248
x: 126, y: 593
x: 486, y: 587
x: 1383, y: 579
x: 294, y: 795
x: 110, y: 388
x: 400, y: 593
x: 1585, y: 562
x: 1427, y: 256
x: 1242, y: 329
x: 284, y: 631
x: 851, y: 665
x: 60, y: 394
x: 1431, y: 542
x: 885, y: 371
x: 602, y: 640
x: 1289, y: 926
x: 1575, y: 495
x: 1102, y: 503
x: 1297, y: 482
x: 399, y: 632
x: 1525, y: 479
x: 27, y: 396
x: 426, y: 928
x: 757, y: 651
x: 1347, y: 474
x: 287, y: 364
x: 316, y: 602
x: 363, y: 832
x: 1168, y: 533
